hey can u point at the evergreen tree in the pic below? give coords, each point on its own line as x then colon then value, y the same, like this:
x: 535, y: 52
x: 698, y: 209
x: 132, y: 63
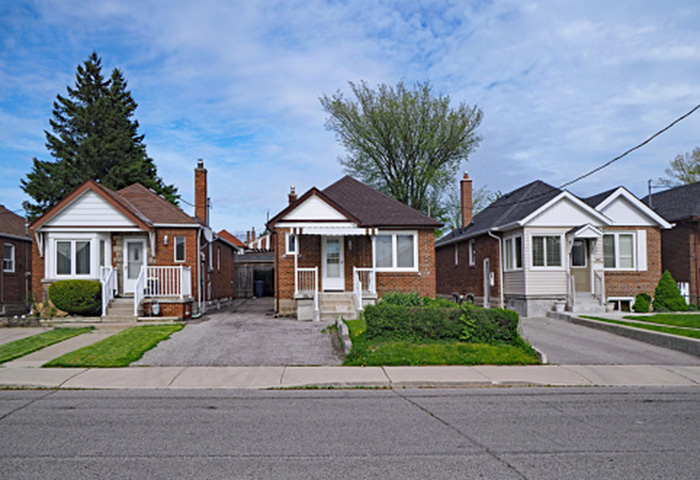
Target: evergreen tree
x: 93, y: 137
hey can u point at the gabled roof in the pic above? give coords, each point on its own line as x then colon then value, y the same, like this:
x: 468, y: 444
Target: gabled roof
x: 232, y: 239
x: 139, y: 204
x: 364, y: 206
x: 678, y: 203
x: 11, y: 224
x: 595, y: 200
x: 511, y: 207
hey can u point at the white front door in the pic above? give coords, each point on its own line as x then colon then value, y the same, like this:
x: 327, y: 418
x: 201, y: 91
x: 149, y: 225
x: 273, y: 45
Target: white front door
x: 333, y: 267
x: 134, y: 259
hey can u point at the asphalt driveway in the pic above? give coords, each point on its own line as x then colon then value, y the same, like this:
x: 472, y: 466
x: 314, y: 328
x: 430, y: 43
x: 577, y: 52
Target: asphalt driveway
x: 247, y: 335
x: 565, y: 343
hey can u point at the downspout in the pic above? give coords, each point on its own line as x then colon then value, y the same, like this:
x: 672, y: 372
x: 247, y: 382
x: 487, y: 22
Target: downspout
x: 199, y: 278
x: 500, y: 268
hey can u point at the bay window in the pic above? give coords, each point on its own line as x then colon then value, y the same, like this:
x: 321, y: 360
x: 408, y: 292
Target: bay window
x: 73, y: 257
x: 618, y: 251
x: 396, y: 251
x: 546, y: 251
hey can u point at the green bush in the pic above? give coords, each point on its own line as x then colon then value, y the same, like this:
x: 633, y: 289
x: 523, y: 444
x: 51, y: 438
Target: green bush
x: 667, y: 297
x: 77, y: 297
x: 438, y: 302
x: 403, y: 299
x: 386, y: 321
x: 641, y: 303
x: 493, y: 326
x: 692, y: 307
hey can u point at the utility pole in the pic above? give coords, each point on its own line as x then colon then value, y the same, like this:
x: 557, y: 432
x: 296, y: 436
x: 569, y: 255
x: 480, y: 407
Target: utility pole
x: 649, y: 187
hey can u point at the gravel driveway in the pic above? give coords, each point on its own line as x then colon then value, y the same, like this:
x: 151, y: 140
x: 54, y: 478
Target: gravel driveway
x: 246, y: 334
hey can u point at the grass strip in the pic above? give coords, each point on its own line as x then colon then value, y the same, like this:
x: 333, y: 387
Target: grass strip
x: 681, y: 332
x: 356, y: 327
x: 119, y: 350
x: 691, y: 320
x: 24, y: 346
x: 438, y: 353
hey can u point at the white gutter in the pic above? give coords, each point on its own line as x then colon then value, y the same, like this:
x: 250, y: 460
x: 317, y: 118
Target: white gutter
x: 500, y: 268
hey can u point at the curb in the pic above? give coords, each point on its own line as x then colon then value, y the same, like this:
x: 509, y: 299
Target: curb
x: 690, y: 346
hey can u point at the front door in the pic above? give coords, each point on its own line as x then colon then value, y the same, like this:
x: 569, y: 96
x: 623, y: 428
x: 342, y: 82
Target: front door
x: 580, y: 266
x: 134, y: 259
x: 333, y: 274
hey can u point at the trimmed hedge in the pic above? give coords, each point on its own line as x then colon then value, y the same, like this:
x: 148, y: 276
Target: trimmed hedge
x: 641, y: 303
x: 667, y: 297
x: 467, y: 323
x: 77, y: 297
x: 403, y: 299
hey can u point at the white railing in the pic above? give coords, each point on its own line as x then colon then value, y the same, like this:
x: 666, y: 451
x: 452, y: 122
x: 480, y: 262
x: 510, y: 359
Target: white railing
x: 570, y: 292
x: 684, y: 288
x: 599, y: 286
x: 306, y: 282
x: 172, y: 281
x: 157, y: 281
x: 367, y: 278
x: 108, y: 279
x: 357, y: 289
x: 139, y: 290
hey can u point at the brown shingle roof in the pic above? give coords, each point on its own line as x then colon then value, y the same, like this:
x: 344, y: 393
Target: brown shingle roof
x: 151, y: 206
x: 232, y: 239
x: 11, y: 223
x: 373, y: 208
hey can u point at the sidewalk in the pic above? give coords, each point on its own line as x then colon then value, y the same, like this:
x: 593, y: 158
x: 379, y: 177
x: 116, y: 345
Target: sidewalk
x: 383, y: 377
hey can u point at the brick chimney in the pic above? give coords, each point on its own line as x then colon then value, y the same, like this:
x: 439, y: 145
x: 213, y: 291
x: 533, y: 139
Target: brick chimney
x: 247, y: 237
x: 201, y: 201
x: 466, y: 189
x: 252, y: 235
x: 292, y: 195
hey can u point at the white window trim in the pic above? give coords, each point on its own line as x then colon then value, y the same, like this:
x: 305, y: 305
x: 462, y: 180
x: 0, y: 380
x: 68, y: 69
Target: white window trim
x: 51, y: 260
x: 472, y: 253
x: 184, y: 245
x: 456, y: 254
x: 73, y: 258
x: 514, y: 267
x: 287, y: 251
x: 616, y: 234
x: 11, y: 248
x: 561, y: 252
x: 394, y: 253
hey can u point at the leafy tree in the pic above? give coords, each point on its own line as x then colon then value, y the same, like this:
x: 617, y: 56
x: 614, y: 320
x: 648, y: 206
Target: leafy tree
x: 684, y: 169
x: 407, y: 143
x: 452, y: 212
x: 93, y: 136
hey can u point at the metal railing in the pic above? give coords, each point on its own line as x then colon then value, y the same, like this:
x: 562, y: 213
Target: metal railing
x: 599, y: 286
x: 367, y: 278
x: 357, y: 289
x: 108, y: 279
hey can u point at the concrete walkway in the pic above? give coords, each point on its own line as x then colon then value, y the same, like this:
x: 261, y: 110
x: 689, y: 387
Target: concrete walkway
x: 387, y: 377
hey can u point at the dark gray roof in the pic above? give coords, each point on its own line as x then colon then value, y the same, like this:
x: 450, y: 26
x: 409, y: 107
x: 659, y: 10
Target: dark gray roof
x: 374, y: 209
x: 677, y: 203
x: 511, y: 207
x: 595, y: 200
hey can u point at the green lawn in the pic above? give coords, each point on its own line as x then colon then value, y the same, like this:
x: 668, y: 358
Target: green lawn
x: 682, y: 332
x: 377, y: 353
x: 675, y: 319
x: 119, y: 350
x: 25, y: 346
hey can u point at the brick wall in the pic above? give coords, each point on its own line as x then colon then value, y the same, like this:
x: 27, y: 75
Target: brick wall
x: 422, y: 281
x: 463, y: 278
x: 223, y: 277
x: 37, y: 269
x: 14, y: 286
x: 680, y: 251
x: 165, y: 254
x: 629, y: 284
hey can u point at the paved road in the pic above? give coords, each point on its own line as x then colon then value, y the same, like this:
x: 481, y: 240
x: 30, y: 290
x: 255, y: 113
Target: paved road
x: 480, y: 433
x: 567, y: 344
x: 248, y: 335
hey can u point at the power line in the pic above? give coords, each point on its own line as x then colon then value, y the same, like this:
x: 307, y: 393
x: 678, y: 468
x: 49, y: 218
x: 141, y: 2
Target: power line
x: 606, y: 164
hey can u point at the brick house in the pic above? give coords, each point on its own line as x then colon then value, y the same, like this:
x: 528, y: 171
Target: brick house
x: 680, y: 246
x: 341, y: 248
x: 539, y: 245
x: 15, y: 251
x: 138, y: 245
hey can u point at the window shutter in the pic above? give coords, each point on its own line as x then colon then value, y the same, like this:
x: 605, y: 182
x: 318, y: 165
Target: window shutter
x: 641, y: 250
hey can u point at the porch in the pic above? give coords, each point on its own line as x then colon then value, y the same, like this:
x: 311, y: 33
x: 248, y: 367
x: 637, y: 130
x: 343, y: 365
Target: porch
x: 585, y: 276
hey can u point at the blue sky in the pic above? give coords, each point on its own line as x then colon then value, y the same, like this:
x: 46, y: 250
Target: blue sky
x: 564, y: 85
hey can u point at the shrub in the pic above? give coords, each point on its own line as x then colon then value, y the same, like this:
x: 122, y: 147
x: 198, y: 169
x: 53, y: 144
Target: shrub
x: 403, y: 299
x: 667, y: 297
x: 386, y: 321
x: 77, y: 297
x: 692, y: 307
x: 438, y: 302
x: 641, y: 303
x: 494, y: 326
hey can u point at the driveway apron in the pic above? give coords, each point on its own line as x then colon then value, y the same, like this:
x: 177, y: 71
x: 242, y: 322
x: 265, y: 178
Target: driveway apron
x: 246, y: 335
x: 565, y: 343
